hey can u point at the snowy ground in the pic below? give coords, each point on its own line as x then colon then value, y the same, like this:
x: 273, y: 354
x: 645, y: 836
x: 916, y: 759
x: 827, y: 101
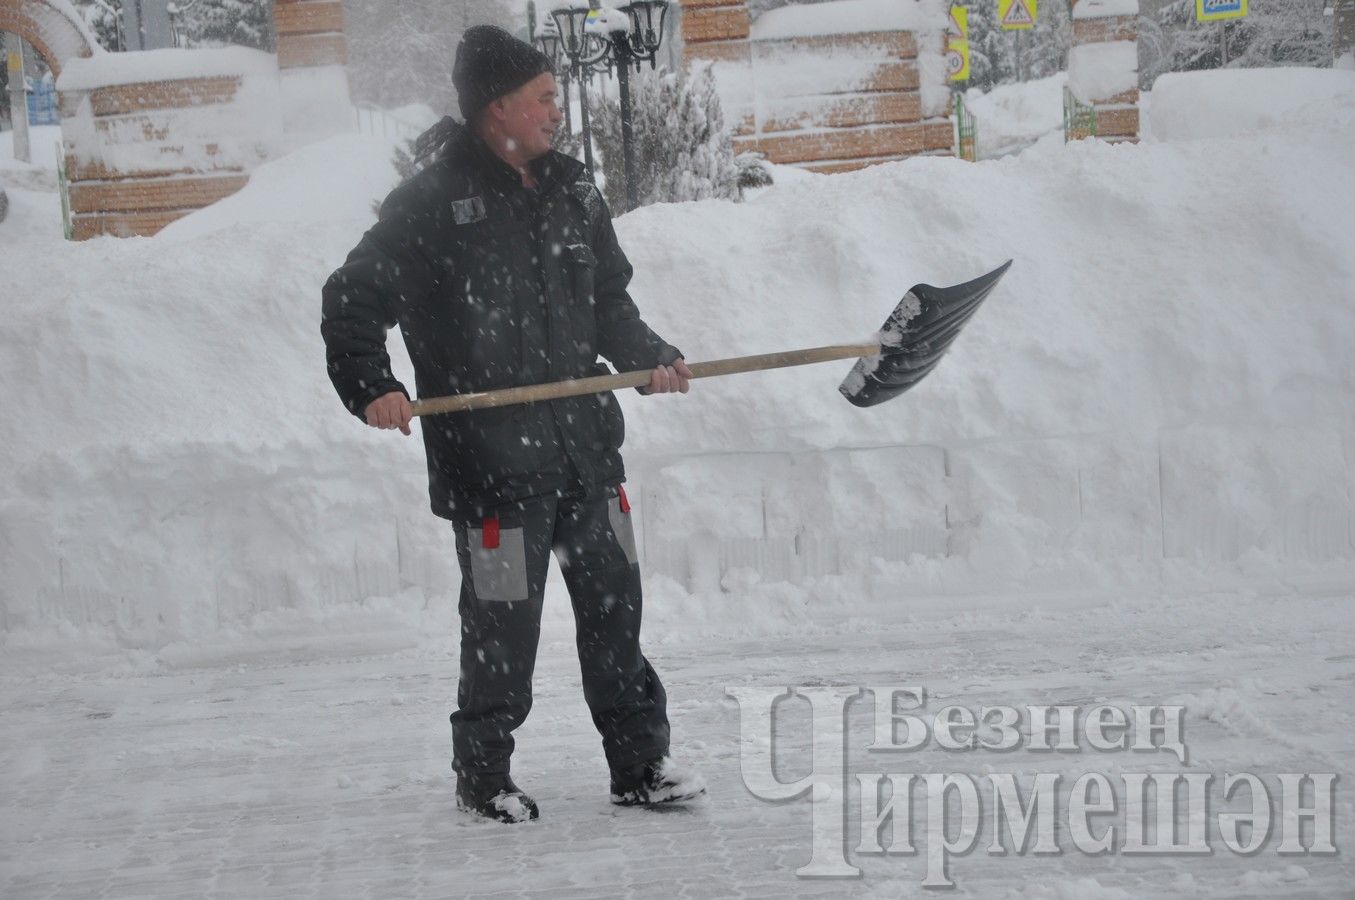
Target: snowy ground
x: 324, y: 774
x: 226, y: 615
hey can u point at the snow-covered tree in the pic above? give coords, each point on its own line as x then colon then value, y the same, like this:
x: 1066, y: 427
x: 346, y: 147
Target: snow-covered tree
x: 1274, y: 33
x: 1001, y: 57
x: 218, y: 23
x: 683, y: 151
x: 401, y: 51
x: 104, y: 18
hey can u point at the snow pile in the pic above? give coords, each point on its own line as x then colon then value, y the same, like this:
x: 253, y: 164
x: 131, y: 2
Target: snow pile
x: 315, y: 103
x: 1012, y: 116
x: 1100, y: 71
x: 1146, y: 398
x: 1234, y: 103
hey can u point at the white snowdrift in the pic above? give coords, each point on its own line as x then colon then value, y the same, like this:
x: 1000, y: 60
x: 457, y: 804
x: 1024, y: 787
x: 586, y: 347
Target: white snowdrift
x: 1236, y: 103
x: 1160, y: 390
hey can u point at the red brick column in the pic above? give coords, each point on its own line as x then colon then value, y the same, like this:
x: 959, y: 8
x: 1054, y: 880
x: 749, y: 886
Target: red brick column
x: 1104, y: 32
x: 312, y: 55
x: 310, y: 33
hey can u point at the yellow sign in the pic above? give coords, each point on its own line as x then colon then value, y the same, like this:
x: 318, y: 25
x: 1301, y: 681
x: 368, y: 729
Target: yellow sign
x: 1017, y: 15
x: 959, y: 22
x: 1216, y: 10
x: 957, y: 45
x: 16, y: 63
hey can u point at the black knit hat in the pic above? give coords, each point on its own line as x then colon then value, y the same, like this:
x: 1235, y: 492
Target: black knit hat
x: 490, y: 62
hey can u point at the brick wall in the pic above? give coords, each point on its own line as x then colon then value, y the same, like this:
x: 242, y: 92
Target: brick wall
x: 140, y: 155
x: 831, y: 103
x: 310, y: 33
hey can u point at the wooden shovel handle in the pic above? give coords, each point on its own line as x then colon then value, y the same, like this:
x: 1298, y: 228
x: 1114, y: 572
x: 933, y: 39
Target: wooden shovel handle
x: 598, y: 383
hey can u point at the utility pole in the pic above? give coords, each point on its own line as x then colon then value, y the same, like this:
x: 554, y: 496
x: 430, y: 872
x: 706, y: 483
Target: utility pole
x: 18, y: 97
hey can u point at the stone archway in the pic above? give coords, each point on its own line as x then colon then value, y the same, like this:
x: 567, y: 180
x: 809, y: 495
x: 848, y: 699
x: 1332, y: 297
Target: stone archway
x: 52, y: 29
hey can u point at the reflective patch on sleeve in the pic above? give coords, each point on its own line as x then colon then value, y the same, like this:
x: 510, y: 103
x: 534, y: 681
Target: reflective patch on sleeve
x: 499, y: 573
x: 622, y: 528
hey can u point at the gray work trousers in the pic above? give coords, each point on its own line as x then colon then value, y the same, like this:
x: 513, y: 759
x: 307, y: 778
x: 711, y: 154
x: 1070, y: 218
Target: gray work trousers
x: 503, y: 560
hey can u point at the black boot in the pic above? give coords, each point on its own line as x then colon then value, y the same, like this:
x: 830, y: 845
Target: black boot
x: 494, y: 797
x: 656, y: 781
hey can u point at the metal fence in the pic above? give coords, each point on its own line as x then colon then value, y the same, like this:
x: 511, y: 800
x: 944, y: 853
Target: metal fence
x: 1079, y: 119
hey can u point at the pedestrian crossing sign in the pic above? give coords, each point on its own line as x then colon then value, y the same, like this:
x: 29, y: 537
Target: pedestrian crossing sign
x: 1215, y: 10
x: 1020, y: 14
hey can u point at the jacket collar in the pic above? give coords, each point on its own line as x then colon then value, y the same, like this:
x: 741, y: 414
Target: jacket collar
x: 553, y: 171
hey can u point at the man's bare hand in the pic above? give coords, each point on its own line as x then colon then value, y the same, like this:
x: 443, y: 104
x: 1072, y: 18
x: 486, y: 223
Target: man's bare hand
x: 672, y: 379
x: 390, y: 411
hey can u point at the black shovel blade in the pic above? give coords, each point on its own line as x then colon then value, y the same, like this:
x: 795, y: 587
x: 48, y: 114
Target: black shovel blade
x: 915, y: 337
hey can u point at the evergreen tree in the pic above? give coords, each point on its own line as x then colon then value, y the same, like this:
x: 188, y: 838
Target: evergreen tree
x: 683, y: 151
x: 1274, y: 33
x: 994, y: 53
x: 104, y: 18
x: 219, y: 23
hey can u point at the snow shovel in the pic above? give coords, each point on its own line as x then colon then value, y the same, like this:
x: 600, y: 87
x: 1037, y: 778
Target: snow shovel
x: 914, y: 338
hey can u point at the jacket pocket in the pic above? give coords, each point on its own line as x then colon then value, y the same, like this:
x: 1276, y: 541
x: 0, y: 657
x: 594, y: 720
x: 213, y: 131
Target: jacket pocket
x: 498, y: 567
x: 583, y: 268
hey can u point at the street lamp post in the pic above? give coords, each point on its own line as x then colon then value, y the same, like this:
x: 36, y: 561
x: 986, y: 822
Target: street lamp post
x: 596, y: 40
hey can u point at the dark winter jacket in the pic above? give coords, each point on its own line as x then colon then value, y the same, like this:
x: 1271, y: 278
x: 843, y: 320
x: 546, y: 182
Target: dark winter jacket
x: 493, y: 285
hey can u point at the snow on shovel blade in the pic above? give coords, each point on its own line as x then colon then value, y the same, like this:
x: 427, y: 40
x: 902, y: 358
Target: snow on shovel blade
x: 915, y: 337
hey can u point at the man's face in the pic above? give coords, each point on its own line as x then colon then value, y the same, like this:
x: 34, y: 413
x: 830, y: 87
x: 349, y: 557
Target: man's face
x: 529, y: 116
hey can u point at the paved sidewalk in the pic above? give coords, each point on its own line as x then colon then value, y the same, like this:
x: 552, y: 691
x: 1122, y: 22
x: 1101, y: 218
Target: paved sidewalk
x: 307, y: 775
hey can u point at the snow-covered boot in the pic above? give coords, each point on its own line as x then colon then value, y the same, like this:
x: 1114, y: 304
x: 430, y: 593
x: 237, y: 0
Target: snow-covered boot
x: 494, y: 797
x: 657, y: 781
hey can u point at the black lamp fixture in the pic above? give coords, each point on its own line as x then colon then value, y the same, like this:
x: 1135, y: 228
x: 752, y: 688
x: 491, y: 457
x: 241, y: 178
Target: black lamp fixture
x: 548, y: 42
x: 569, y: 28
x: 592, y: 40
x: 647, y: 21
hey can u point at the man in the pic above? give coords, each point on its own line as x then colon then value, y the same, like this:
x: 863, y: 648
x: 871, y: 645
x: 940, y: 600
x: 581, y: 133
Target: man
x: 500, y: 265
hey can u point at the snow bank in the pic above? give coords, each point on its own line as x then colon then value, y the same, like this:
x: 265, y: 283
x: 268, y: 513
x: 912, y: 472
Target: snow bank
x: 1230, y: 103
x: 1147, y: 398
x: 1013, y: 116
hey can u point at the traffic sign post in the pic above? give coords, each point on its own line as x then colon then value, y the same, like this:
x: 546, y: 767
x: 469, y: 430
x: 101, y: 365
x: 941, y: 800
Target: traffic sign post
x: 1220, y: 11
x: 1018, y: 15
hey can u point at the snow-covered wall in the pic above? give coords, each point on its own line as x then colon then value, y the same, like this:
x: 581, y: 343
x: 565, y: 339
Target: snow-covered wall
x: 830, y: 86
x: 152, y: 135
x: 1160, y: 392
